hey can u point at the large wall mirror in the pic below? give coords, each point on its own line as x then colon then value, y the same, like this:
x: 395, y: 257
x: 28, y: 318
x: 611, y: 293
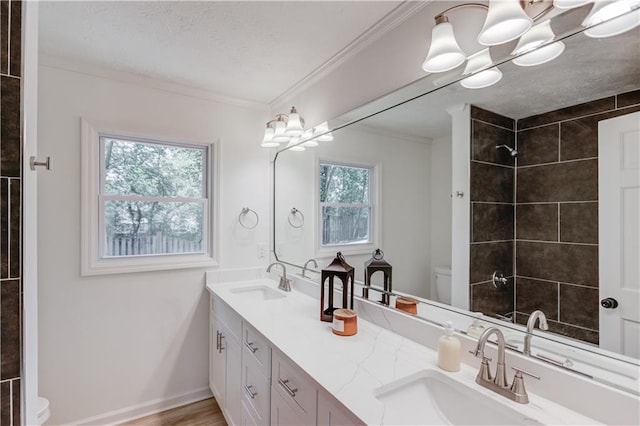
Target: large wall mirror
x: 552, y: 201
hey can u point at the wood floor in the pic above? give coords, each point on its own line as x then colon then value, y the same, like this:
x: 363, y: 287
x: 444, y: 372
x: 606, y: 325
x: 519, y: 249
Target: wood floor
x: 202, y: 413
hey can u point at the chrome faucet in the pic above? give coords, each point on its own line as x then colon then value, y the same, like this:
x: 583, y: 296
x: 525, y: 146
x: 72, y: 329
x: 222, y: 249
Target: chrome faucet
x: 499, y: 384
x: 531, y: 324
x: 285, y: 283
x: 304, y: 268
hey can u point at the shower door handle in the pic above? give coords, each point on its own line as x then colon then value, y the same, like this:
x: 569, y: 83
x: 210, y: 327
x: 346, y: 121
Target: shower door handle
x: 609, y: 303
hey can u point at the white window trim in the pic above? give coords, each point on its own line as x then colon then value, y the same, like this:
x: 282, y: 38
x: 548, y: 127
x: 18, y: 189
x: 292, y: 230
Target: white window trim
x: 376, y: 212
x: 91, y: 263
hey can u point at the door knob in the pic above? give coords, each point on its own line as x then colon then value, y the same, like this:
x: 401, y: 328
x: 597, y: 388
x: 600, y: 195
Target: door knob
x: 609, y: 303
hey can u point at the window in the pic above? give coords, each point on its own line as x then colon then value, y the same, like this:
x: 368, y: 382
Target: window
x: 146, y: 203
x: 346, y: 206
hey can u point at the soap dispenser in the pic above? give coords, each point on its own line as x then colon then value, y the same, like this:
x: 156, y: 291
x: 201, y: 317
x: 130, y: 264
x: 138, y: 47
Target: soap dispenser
x: 476, y: 328
x: 449, y: 350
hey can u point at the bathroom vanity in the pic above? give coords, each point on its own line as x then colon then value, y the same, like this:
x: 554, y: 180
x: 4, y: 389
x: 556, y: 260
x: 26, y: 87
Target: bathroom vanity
x: 274, y: 362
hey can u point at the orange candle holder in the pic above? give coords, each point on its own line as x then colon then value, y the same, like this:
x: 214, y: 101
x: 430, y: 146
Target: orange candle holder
x: 345, y: 322
x: 407, y: 304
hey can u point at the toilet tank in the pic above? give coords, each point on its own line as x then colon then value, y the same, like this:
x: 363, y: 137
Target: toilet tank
x: 443, y: 283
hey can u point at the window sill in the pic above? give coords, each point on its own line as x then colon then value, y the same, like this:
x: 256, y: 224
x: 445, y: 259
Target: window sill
x: 147, y: 264
x: 346, y: 249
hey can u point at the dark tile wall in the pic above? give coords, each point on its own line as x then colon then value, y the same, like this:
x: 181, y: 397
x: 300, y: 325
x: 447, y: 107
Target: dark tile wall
x: 556, y: 206
x: 10, y: 213
x: 492, y: 212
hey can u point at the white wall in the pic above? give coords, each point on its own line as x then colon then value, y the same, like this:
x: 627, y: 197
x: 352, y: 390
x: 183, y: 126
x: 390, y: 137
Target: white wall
x: 441, y: 204
x: 114, y: 342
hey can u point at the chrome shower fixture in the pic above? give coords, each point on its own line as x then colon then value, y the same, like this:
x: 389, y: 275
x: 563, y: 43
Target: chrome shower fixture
x: 513, y: 152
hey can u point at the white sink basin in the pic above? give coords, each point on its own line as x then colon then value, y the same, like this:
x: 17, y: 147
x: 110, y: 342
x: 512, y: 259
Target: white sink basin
x: 430, y: 397
x: 258, y: 292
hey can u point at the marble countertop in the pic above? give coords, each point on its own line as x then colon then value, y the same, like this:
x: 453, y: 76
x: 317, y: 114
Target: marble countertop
x: 352, y: 368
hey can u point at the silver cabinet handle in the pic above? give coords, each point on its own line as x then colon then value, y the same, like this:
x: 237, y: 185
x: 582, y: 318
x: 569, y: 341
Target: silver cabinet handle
x: 218, y: 341
x: 33, y: 163
x: 284, y: 384
x: 250, y: 346
x: 220, y: 347
x: 249, y: 390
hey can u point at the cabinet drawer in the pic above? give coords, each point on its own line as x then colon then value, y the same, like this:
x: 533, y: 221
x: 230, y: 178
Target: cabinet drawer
x: 255, y: 390
x: 256, y: 347
x: 227, y: 316
x: 294, y: 385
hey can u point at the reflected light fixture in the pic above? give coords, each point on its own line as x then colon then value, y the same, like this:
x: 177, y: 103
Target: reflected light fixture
x: 308, y: 137
x: 506, y: 21
x: 480, y: 77
x: 532, y: 40
x: 321, y: 132
x: 610, y: 18
x: 293, y: 144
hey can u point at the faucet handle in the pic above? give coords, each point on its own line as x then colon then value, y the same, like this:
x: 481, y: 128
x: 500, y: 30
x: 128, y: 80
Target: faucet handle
x: 519, y: 372
x: 477, y: 355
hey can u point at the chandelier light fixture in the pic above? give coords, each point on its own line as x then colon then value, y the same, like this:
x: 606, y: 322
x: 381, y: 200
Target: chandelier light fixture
x: 508, y: 20
x: 289, y: 129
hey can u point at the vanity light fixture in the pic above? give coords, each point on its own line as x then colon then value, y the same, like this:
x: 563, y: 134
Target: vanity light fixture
x: 531, y: 42
x: 480, y: 77
x: 289, y: 129
x: 610, y: 18
x: 506, y: 21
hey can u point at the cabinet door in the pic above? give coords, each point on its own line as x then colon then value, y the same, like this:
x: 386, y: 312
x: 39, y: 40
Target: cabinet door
x: 332, y: 413
x: 217, y: 376
x: 233, y: 380
x: 282, y: 414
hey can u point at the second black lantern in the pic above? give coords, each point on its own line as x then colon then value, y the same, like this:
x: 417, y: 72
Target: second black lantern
x: 373, y: 265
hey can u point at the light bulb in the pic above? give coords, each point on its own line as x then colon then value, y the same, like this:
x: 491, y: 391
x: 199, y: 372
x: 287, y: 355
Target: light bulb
x: 279, y: 135
x: 294, y: 124
x: 506, y: 21
x: 267, y: 141
x: 444, y: 52
x: 480, y: 79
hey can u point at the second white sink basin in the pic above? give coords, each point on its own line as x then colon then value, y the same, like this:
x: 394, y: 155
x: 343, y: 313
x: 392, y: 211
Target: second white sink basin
x: 430, y: 397
x: 258, y: 292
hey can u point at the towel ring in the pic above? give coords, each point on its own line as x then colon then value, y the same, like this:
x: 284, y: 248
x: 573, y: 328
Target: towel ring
x: 293, y: 214
x: 243, y: 214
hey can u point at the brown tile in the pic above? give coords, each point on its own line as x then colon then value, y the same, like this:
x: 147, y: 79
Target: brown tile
x: 534, y: 295
x: 579, y: 222
x: 492, y: 117
x: 4, y: 40
x: 16, y: 37
x: 489, y: 257
x: 571, y: 181
x: 567, y: 330
x: 10, y: 126
x: 539, y: 145
x: 537, y: 222
x: 492, y: 301
x: 568, y: 263
x: 492, y: 222
x: 491, y: 183
x: 5, y: 400
x: 485, y: 139
x: 16, y: 402
x: 4, y: 227
x: 10, y: 332
x: 629, y: 98
x: 15, y: 211
x: 599, y: 105
x: 579, y: 306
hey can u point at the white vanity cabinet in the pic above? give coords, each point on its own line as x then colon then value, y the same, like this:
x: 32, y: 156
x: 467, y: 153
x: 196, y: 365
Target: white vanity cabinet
x: 294, y: 394
x: 224, y: 359
x: 256, y: 376
x: 332, y: 413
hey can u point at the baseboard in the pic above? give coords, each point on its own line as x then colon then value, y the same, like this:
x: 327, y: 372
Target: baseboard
x: 146, y: 408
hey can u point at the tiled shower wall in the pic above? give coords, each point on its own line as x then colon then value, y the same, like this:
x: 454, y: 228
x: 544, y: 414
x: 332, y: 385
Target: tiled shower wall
x: 492, y: 176
x: 557, y: 214
x: 10, y: 212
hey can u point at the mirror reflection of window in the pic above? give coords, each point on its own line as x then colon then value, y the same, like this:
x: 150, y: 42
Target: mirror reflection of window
x: 346, y: 205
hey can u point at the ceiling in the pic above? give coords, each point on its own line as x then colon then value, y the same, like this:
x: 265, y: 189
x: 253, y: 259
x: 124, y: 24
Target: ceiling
x: 246, y: 50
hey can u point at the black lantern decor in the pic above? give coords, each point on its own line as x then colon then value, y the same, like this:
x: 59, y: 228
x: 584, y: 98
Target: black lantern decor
x: 377, y: 263
x: 340, y: 269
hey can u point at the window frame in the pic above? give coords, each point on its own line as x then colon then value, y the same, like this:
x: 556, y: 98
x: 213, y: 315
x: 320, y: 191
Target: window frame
x: 92, y: 207
x: 374, y: 201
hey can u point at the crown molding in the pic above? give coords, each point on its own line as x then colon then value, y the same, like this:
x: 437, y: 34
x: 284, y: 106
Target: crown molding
x: 145, y: 81
x: 387, y: 23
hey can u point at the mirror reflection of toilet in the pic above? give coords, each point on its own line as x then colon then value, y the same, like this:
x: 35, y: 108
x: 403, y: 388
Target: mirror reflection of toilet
x: 43, y: 410
x: 443, y: 283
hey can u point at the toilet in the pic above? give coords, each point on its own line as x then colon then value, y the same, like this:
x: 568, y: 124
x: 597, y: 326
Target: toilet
x: 443, y: 284
x: 43, y: 410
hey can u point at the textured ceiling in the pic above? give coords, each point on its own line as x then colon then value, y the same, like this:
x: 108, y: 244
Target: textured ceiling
x: 246, y: 50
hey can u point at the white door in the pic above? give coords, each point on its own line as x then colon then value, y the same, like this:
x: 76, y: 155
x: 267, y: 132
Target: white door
x: 619, y: 233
